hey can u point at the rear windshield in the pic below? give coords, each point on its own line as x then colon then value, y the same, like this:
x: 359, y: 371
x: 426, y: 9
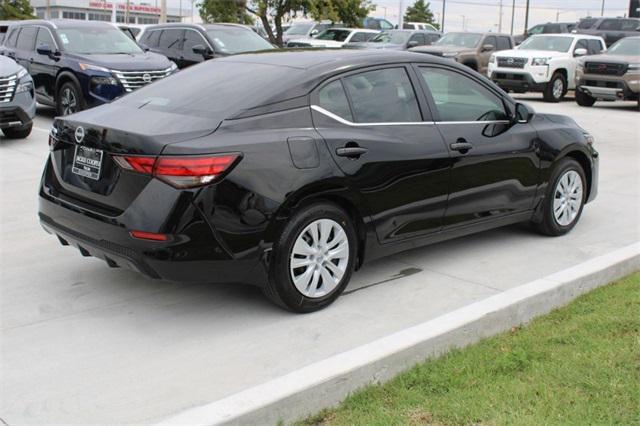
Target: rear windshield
x: 550, y: 43
x: 392, y: 37
x: 299, y: 29
x: 214, y: 89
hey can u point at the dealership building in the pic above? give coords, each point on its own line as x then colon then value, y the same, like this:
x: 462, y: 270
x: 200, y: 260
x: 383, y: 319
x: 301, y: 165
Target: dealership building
x: 95, y: 10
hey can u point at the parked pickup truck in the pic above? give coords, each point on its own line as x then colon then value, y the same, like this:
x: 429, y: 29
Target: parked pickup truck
x: 613, y: 75
x: 543, y: 63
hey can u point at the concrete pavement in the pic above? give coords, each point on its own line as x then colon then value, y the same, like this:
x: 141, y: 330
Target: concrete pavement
x: 83, y: 343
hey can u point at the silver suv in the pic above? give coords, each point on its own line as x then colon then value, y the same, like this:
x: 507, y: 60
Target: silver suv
x: 17, y: 99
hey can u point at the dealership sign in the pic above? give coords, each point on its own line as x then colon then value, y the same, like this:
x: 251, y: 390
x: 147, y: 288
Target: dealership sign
x: 123, y: 6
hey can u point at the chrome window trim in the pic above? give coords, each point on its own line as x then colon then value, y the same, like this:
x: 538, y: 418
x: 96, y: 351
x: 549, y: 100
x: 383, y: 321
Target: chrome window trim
x: 408, y: 123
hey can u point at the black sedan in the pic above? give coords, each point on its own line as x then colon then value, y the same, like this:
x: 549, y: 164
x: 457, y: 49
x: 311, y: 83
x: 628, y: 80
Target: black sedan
x: 292, y: 180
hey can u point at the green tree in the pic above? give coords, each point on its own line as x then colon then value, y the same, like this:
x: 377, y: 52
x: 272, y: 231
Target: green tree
x: 419, y: 12
x: 232, y: 11
x: 15, y: 10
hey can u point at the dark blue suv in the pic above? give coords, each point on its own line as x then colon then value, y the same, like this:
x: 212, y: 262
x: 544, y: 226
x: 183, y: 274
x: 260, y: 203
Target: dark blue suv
x: 80, y: 64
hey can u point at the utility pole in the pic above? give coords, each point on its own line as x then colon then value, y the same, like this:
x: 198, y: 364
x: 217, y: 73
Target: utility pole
x: 400, y: 14
x: 163, y: 11
x: 602, y: 9
x: 180, y: 10
x: 444, y: 5
x: 500, y: 18
x: 513, y: 14
x: 526, y: 19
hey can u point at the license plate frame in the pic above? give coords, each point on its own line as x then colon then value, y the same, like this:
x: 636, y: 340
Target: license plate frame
x: 89, y: 163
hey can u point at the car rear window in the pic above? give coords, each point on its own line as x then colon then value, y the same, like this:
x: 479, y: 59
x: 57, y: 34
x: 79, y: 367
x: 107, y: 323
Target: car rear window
x: 215, y: 89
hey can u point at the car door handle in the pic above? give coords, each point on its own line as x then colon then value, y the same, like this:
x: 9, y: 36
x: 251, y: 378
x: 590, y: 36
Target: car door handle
x: 351, y: 151
x: 461, y: 145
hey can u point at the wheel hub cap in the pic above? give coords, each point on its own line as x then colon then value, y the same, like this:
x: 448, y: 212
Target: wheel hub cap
x: 319, y: 258
x: 567, y: 198
x: 558, y: 88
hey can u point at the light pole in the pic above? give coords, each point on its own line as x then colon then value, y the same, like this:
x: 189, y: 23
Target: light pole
x: 602, y: 9
x: 513, y: 14
x: 500, y: 18
x: 526, y: 19
x: 444, y: 5
x: 400, y: 14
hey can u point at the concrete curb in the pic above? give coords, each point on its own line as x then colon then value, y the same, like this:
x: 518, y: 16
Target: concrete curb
x: 326, y: 383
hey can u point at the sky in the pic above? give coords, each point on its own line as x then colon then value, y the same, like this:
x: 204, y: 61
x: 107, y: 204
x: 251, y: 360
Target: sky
x: 483, y: 15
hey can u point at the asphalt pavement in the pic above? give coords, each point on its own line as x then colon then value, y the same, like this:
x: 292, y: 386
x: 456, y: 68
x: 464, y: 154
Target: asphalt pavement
x: 84, y: 343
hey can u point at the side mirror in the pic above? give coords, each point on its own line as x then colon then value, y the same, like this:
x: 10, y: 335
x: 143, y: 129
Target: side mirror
x: 144, y: 47
x: 488, y: 47
x: 412, y: 43
x: 580, y: 52
x: 44, y: 49
x: 524, y: 113
x: 314, y: 32
x: 205, y: 52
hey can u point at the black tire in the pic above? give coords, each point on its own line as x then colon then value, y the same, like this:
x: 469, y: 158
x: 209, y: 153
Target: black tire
x: 280, y: 288
x: 548, y: 95
x: 549, y: 225
x: 583, y: 99
x: 18, y: 132
x: 69, y: 89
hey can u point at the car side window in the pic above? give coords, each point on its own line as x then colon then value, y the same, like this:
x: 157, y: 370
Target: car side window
x: 504, y: 43
x: 418, y: 38
x: 582, y: 44
x: 13, y: 37
x: 152, y: 38
x: 192, y: 38
x: 383, y: 96
x: 384, y: 25
x: 44, y: 39
x: 459, y: 98
x: 610, y: 24
x: 630, y: 25
x: 595, y: 47
x: 491, y: 40
x: 332, y: 98
x: 433, y: 38
x: 170, y: 39
x: 538, y: 29
x: 27, y: 38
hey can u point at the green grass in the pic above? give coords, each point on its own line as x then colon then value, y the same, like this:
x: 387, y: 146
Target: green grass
x: 578, y: 365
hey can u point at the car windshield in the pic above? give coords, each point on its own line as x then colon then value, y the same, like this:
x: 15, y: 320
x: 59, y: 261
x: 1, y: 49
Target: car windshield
x: 550, y: 43
x: 97, y: 41
x: 626, y: 46
x: 392, y: 37
x: 333, y: 34
x: 460, y: 40
x: 299, y: 29
x: 237, y: 40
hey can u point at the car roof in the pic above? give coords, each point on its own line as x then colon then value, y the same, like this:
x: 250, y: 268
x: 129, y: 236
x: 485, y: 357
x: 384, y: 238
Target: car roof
x: 363, y: 30
x: 66, y: 23
x: 479, y: 33
x: 572, y: 35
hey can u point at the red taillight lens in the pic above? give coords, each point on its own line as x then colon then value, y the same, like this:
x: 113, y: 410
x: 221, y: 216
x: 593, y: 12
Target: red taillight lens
x: 142, y: 235
x: 181, y: 171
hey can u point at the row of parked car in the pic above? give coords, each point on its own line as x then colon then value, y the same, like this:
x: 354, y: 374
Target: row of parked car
x: 74, y: 65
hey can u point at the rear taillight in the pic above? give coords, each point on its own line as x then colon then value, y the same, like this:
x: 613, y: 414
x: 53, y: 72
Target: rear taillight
x: 181, y: 171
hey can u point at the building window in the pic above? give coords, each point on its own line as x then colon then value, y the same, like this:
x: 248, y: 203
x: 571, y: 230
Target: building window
x: 99, y: 16
x: 147, y: 21
x: 40, y: 14
x: 120, y: 18
x: 74, y: 15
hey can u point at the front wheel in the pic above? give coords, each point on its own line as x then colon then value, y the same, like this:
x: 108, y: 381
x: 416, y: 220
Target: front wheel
x: 556, y: 88
x: 564, y: 198
x: 313, y: 259
x: 70, y: 99
x: 18, y: 132
x: 583, y: 99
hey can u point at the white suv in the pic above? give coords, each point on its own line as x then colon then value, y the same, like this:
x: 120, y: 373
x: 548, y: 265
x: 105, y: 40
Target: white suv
x: 543, y: 63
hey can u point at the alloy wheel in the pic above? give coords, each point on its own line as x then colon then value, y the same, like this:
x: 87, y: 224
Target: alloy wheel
x: 68, y: 101
x: 567, y: 198
x: 319, y: 258
x: 558, y: 88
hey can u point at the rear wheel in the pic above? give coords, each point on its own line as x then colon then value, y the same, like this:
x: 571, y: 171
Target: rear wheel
x: 69, y: 99
x: 583, y: 99
x: 564, y: 199
x: 556, y: 88
x: 313, y: 259
x: 18, y: 132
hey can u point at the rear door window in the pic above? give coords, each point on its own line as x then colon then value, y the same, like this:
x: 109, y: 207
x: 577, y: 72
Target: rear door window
x: 630, y: 24
x: 333, y: 98
x: 587, y: 23
x: 611, y: 24
x: 27, y: 38
x: 383, y: 96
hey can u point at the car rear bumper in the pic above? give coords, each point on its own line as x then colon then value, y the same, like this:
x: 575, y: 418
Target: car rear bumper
x: 192, y: 252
